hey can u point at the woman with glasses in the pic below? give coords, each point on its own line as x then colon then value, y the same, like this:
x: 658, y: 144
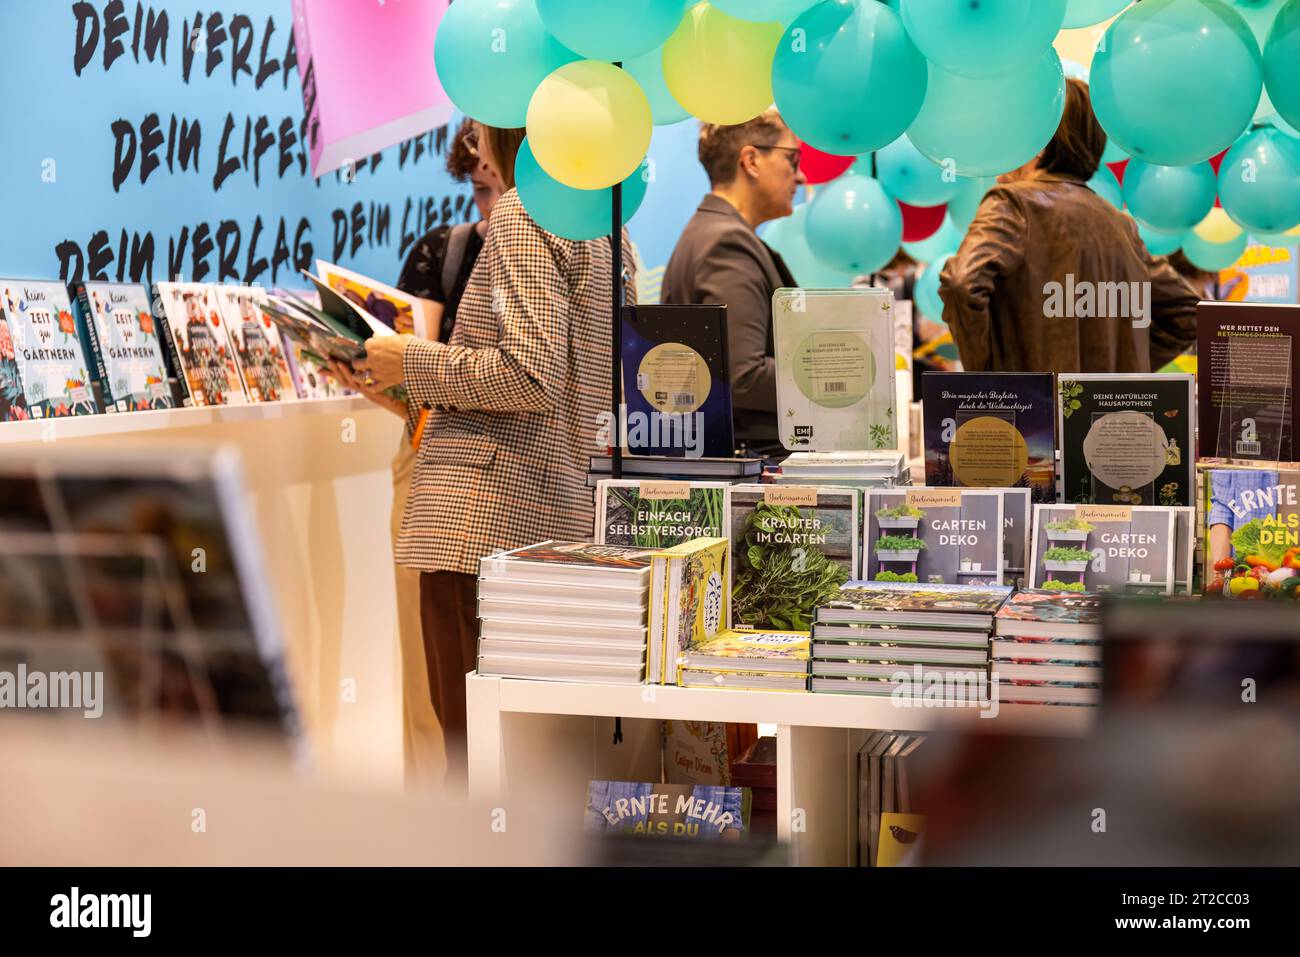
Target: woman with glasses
x: 518, y: 394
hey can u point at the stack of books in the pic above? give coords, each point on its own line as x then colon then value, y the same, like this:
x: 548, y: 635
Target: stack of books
x: 898, y: 639
x: 565, y: 611
x: 747, y: 660
x: 884, y: 794
x: 676, y: 468
x: 1047, y: 649
x: 876, y: 468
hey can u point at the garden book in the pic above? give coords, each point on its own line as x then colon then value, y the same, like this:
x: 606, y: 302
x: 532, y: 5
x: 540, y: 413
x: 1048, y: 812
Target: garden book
x: 1126, y: 549
x: 952, y: 536
x: 1127, y: 439
x: 990, y: 430
x: 1252, y: 532
x: 657, y: 514
x: 835, y: 369
x: 202, y: 354
x: 118, y: 328
x: 1050, y: 614
x: 572, y: 563
x: 964, y: 607
x: 690, y: 602
x: 1248, y: 363
x: 792, y: 548
x: 676, y: 381
x: 44, y: 370
x: 259, y: 347
x: 749, y: 650
x: 397, y: 310
x: 682, y: 811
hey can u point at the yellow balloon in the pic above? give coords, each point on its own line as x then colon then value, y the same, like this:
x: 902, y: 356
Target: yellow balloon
x: 720, y: 68
x: 1217, y: 227
x: 589, y: 124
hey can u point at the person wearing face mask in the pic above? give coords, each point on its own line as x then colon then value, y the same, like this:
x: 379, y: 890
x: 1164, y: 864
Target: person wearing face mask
x: 516, y: 396
x: 753, y: 172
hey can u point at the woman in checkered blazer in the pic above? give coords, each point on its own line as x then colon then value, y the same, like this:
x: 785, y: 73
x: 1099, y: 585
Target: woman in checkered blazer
x: 518, y: 395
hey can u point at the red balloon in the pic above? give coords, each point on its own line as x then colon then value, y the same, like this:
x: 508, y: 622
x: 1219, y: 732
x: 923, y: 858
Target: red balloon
x: 1119, y: 168
x: 921, y: 222
x: 1216, y: 162
x: 819, y: 167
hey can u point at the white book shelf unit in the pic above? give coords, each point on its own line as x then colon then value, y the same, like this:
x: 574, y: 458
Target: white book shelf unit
x: 524, y: 731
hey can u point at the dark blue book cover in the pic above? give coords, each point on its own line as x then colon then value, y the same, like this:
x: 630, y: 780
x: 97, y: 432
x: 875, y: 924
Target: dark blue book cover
x: 676, y: 381
x: 990, y: 430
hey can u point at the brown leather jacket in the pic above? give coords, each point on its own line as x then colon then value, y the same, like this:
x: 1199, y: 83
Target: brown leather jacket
x: 1052, y: 278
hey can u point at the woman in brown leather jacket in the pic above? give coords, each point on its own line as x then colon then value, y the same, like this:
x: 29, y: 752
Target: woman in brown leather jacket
x: 1052, y: 278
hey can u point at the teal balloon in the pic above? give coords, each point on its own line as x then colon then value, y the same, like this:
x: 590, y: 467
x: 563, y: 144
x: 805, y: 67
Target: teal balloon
x: 1105, y: 185
x: 1259, y: 16
x: 568, y: 212
x: 990, y: 125
x: 491, y: 54
x: 847, y: 78
x: 1213, y: 257
x: 648, y: 71
x: 1169, y: 198
x: 1085, y: 13
x: 1175, y: 82
x: 913, y: 178
x: 925, y: 294
x: 983, y: 39
x: 963, y: 207
x: 763, y: 11
x: 789, y: 237
x: 1281, y: 124
x: 1158, y: 242
x: 1282, y: 63
x: 600, y: 30
x: 854, y: 226
x: 1112, y: 153
x: 1277, y: 240
x: 1259, y: 181
x: 945, y: 242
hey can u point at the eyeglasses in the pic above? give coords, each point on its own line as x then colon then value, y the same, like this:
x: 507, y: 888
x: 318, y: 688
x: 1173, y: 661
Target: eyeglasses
x: 796, y: 154
x: 470, y: 142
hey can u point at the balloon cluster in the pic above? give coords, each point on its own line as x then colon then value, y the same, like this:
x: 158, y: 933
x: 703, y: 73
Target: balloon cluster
x: 907, y: 109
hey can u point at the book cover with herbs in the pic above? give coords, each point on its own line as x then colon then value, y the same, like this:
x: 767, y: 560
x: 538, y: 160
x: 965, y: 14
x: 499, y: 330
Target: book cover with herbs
x: 990, y: 430
x: 258, y: 345
x: 204, y: 352
x: 899, y: 596
x: 46, y: 371
x: 660, y: 514
x: 835, y: 369
x: 580, y: 555
x: 1252, y: 533
x: 1248, y: 355
x: 1127, y: 549
x: 953, y: 536
x: 676, y: 384
x: 117, y: 323
x: 792, y: 548
x: 682, y: 811
x: 1127, y: 439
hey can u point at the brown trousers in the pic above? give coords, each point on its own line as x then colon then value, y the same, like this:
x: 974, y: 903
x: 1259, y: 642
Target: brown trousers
x: 449, y: 620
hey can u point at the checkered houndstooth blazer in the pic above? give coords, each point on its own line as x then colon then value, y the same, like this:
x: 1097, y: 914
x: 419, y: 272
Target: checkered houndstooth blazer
x: 517, y: 396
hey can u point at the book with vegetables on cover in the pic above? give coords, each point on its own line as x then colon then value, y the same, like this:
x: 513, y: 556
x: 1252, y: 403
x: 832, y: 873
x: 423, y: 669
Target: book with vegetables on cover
x: 1252, y: 533
x: 792, y: 548
x: 659, y: 514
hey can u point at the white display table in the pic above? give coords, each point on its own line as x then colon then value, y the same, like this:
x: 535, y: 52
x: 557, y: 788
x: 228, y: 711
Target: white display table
x: 319, y: 479
x: 524, y: 731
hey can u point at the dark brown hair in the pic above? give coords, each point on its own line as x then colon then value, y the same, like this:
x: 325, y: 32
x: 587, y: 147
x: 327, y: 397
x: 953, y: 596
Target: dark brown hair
x: 720, y: 146
x: 460, y: 161
x: 1076, y: 148
x: 504, y: 144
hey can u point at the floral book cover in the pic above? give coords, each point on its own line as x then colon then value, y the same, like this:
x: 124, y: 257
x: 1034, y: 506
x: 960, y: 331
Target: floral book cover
x: 258, y: 346
x: 899, y: 596
x: 1053, y: 606
x: 792, y: 548
x: 683, y: 811
x: 1252, y: 533
x: 1127, y: 439
x: 702, y: 592
x: 134, y: 362
x: 44, y: 369
x: 206, y: 354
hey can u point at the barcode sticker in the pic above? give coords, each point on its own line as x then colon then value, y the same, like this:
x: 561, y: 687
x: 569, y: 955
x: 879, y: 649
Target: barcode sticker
x: 681, y: 398
x: 1248, y: 448
x: 835, y: 387
x: 642, y: 380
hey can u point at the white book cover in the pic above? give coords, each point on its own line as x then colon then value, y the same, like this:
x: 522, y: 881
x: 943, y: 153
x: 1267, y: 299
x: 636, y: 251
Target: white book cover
x: 835, y: 369
x: 259, y: 348
x: 203, y: 345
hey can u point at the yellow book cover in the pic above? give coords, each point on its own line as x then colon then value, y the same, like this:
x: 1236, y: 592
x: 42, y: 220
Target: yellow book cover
x: 902, y: 837
x: 698, y: 598
x: 733, y: 643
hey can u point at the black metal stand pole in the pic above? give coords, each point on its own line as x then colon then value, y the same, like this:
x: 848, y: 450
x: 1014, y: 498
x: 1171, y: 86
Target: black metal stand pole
x: 616, y: 384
